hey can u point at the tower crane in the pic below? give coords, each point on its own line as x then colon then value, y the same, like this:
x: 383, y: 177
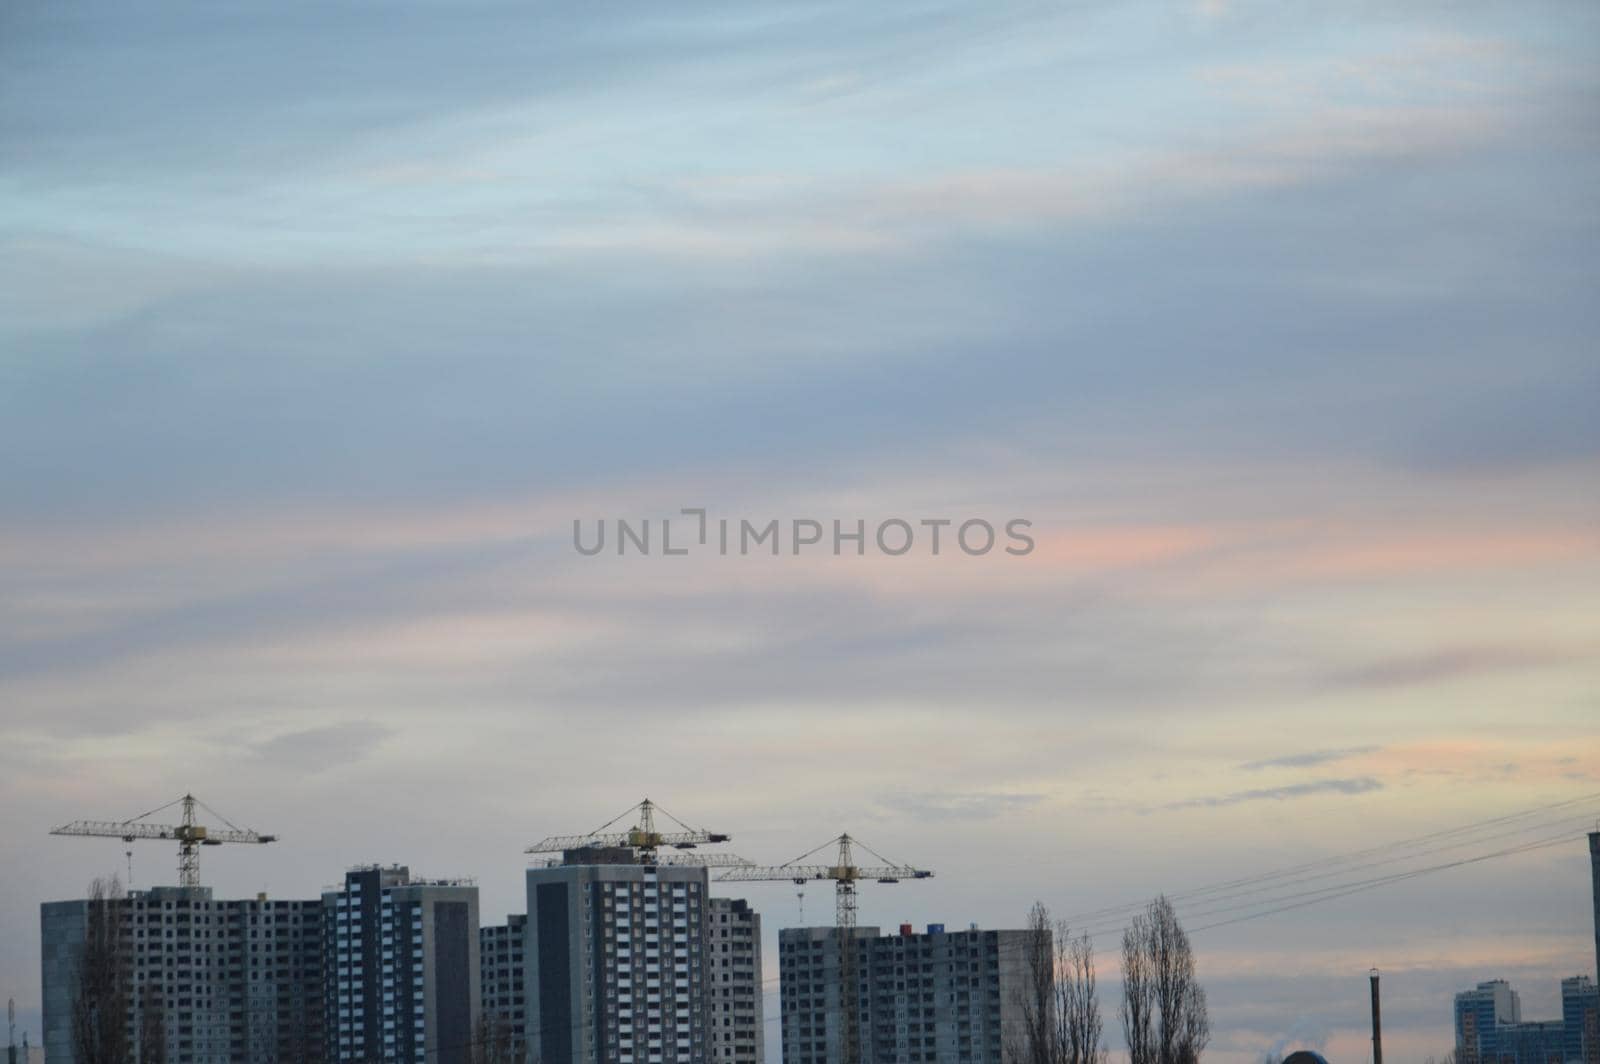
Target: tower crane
x: 645, y: 840
x: 845, y: 874
x: 190, y: 835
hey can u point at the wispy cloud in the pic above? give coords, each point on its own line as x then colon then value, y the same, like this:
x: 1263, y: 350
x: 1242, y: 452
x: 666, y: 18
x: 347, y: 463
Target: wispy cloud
x: 1457, y: 663
x: 956, y: 805
x: 317, y: 749
x: 1349, y: 786
x: 901, y: 214
x: 1307, y: 758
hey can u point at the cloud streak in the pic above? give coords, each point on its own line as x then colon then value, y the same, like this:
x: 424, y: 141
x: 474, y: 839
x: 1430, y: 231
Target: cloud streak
x: 1353, y: 785
x: 946, y: 805
x: 1453, y: 665
x: 323, y: 748
x: 1308, y: 758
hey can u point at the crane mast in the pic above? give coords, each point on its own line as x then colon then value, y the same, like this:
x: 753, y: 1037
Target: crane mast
x: 845, y: 874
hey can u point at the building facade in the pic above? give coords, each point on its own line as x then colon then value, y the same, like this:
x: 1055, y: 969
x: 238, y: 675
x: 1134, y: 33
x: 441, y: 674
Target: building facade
x: 1480, y: 1013
x: 1490, y: 1028
x: 934, y: 998
x: 616, y: 966
x: 215, y: 981
x: 501, y: 949
x: 810, y: 993
x: 1580, y: 1018
x: 401, y: 967
x: 733, y: 937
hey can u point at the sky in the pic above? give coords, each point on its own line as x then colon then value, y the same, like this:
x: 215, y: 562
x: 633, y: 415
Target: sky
x: 321, y: 324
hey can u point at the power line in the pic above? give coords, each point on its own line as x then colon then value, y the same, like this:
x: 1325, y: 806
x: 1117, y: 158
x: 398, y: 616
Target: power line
x: 1196, y: 893
x: 1385, y: 881
x: 1564, y: 826
x: 1339, y: 890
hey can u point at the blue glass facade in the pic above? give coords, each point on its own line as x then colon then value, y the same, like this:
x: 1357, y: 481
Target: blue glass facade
x: 1580, y: 1016
x: 1490, y: 1028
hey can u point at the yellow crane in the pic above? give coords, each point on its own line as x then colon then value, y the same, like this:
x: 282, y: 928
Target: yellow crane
x: 189, y: 834
x: 645, y: 840
x: 845, y: 874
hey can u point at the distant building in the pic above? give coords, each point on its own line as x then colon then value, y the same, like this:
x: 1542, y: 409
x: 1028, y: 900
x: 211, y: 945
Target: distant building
x: 1480, y: 1013
x: 617, y: 969
x: 1490, y: 1028
x: 401, y: 963
x: 1532, y: 1042
x: 938, y: 998
x: 502, y: 962
x: 1580, y: 1016
x: 733, y: 937
x: 25, y: 1053
x: 221, y: 981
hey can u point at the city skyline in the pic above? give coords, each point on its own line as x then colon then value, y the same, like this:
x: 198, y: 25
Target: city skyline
x: 1494, y: 840
x: 319, y: 330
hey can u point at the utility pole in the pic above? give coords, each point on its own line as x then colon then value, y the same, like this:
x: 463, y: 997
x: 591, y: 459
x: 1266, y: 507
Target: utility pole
x: 1594, y: 869
x: 1377, y: 1021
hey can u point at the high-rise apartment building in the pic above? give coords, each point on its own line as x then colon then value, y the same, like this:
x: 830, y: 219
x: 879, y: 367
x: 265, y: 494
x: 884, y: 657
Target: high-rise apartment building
x: 1490, y: 1028
x: 215, y: 981
x: 939, y: 997
x: 1580, y: 1020
x: 733, y: 937
x: 811, y: 998
x: 1480, y: 1013
x: 617, y: 968
x: 501, y: 952
x: 402, y: 971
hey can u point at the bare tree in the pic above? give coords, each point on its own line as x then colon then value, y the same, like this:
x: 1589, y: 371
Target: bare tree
x: 492, y: 1041
x: 1035, y: 1042
x: 302, y: 1046
x: 1164, y: 1017
x: 152, y: 1030
x: 261, y: 1020
x: 100, y: 1001
x: 1138, y: 997
x: 1078, y: 1002
x: 1060, y: 1010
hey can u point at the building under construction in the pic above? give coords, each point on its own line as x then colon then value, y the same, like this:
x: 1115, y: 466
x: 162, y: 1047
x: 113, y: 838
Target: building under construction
x: 938, y: 997
x: 211, y: 980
